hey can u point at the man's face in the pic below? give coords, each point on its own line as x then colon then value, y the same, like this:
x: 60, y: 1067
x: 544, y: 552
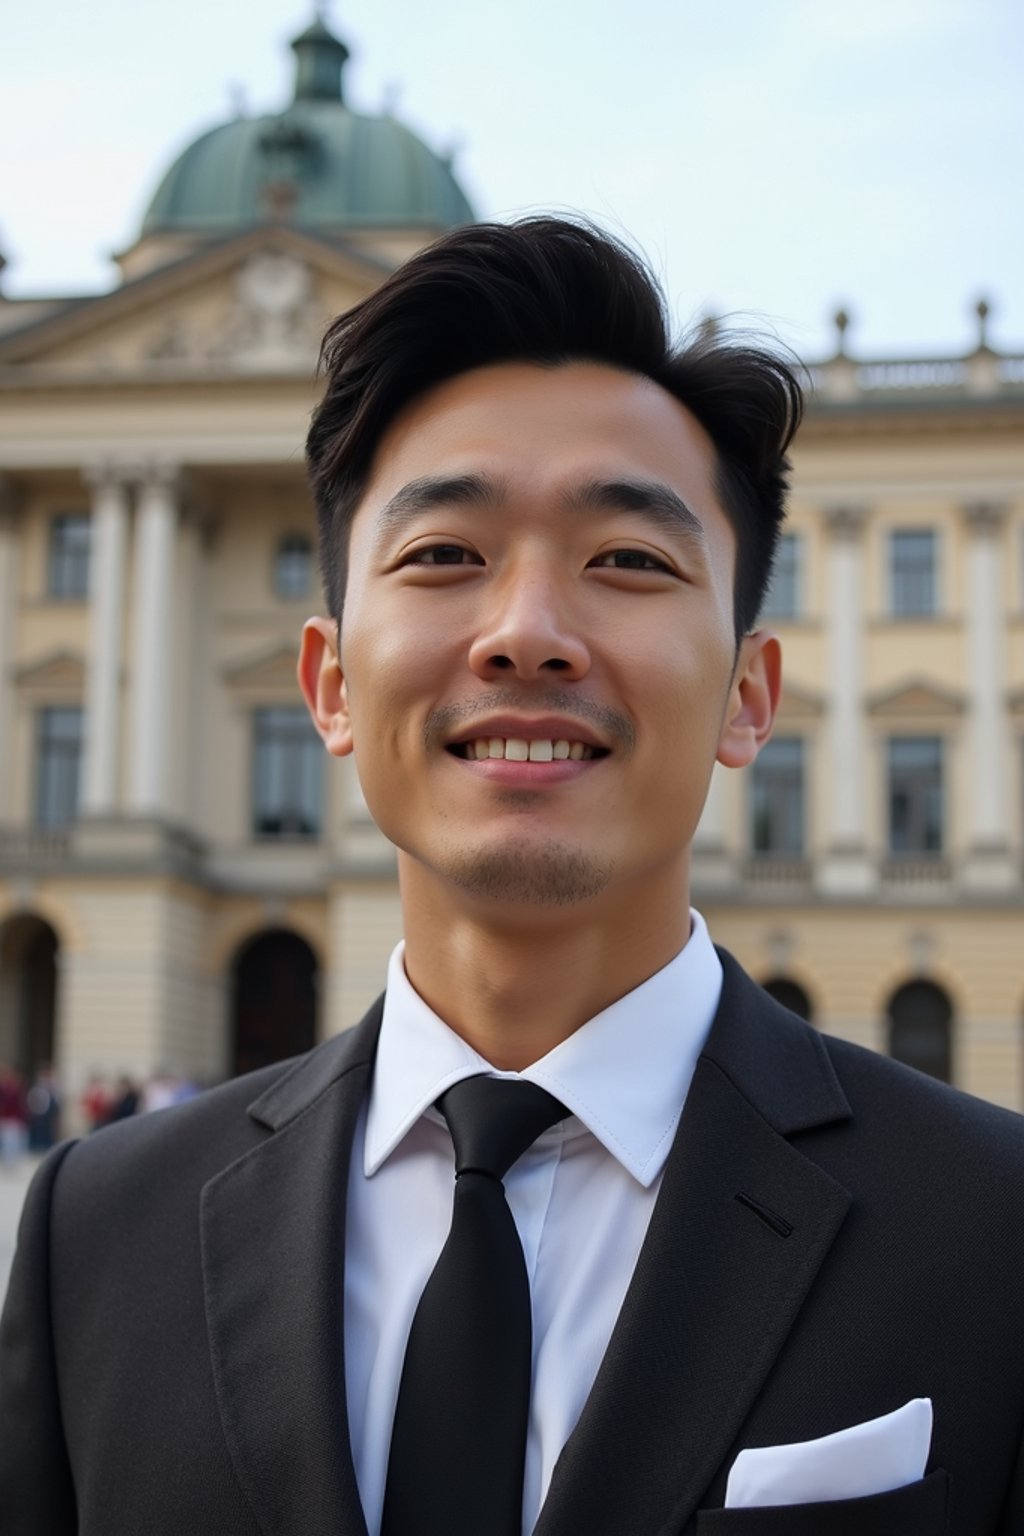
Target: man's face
x: 537, y: 665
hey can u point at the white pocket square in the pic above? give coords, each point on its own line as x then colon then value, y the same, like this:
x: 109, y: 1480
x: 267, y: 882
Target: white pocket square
x: 874, y: 1457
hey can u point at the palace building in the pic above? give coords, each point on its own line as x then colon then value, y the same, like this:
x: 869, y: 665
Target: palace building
x: 188, y: 882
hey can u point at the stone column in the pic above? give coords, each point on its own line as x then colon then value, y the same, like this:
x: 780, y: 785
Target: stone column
x: 988, y: 861
x: 846, y: 867
x: 106, y: 617
x: 9, y: 509
x: 153, y: 640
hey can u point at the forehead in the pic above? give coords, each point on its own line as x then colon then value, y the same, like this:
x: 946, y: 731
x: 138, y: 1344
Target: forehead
x: 541, y: 429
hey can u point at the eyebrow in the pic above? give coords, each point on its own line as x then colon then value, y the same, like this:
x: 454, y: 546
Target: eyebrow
x: 650, y: 499
x: 430, y: 492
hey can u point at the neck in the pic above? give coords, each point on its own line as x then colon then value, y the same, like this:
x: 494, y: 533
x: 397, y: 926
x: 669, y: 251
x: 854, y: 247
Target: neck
x: 516, y: 982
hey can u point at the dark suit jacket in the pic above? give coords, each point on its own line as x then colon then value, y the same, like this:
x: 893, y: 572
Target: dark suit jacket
x: 834, y: 1235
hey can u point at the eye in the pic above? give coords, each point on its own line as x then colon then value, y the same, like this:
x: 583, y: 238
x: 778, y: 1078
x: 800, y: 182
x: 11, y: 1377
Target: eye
x: 630, y: 560
x: 442, y: 554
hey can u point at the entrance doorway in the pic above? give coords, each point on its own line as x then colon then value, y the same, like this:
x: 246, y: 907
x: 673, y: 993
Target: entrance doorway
x: 28, y: 994
x: 921, y: 1028
x: 274, y: 996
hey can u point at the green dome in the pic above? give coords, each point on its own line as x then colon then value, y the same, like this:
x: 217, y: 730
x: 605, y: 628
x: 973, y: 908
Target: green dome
x: 317, y: 165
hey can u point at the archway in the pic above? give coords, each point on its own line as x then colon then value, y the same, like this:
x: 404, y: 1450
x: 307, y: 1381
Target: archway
x: 274, y: 989
x: 791, y: 995
x: 921, y: 1029
x: 28, y: 993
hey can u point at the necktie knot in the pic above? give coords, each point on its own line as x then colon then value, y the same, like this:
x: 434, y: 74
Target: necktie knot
x: 494, y: 1119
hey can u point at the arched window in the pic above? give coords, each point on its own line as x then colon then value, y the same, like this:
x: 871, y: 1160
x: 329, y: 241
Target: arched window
x: 293, y: 566
x: 791, y: 995
x: 274, y: 1000
x: 921, y: 1029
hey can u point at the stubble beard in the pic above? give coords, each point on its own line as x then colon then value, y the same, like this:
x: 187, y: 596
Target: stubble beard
x: 549, y: 874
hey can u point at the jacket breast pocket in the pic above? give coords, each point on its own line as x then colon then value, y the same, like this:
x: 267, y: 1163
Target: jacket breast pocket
x: 921, y: 1509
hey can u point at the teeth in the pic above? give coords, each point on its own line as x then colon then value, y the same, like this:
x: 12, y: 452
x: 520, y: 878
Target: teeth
x: 516, y: 750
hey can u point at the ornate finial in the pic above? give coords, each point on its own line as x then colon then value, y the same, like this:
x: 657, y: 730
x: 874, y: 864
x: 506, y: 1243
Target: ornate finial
x: 982, y: 309
x: 841, y: 321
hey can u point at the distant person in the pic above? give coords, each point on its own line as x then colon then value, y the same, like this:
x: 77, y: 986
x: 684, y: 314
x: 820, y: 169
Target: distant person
x: 579, y: 1232
x: 43, y: 1105
x: 95, y: 1102
x: 13, y: 1115
x: 124, y: 1101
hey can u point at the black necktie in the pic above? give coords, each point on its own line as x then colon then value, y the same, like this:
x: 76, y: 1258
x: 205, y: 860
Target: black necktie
x: 458, y: 1446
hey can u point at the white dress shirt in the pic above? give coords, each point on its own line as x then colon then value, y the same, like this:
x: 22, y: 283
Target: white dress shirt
x: 581, y: 1196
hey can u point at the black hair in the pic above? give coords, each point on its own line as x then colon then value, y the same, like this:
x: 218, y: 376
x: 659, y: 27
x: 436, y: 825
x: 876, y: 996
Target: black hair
x: 546, y: 291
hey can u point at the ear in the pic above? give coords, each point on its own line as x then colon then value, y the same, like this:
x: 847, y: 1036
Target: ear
x: 323, y: 685
x: 753, y: 700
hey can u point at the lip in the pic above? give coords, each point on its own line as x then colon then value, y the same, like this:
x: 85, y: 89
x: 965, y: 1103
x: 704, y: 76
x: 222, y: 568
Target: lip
x: 530, y: 728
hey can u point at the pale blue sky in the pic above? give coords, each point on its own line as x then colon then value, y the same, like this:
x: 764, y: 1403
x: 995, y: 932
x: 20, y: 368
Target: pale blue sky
x: 773, y: 157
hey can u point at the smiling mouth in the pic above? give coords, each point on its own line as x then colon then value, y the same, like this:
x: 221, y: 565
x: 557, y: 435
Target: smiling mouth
x: 515, y: 749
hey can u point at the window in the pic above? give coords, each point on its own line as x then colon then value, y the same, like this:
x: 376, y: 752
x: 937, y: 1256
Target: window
x: 58, y: 760
x: 777, y: 798
x: 68, y: 575
x: 287, y: 774
x: 912, y: 554
x: 782, y: 600
x: 915, y: 795
x: 293, y: 566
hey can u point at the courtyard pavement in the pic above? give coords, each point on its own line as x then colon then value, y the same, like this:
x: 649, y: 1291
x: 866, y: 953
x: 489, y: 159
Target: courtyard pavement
x: 14, y: 1181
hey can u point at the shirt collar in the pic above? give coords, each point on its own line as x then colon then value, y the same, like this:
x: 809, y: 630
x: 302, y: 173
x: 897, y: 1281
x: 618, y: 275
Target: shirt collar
x: 624, y: 1074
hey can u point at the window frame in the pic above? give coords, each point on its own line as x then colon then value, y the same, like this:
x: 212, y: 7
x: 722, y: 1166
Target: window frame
x: 794, y: 541
x: 757, y: 771
x: 51, y: 769
x: 63, y: 566
x: 918, y: 812
x: 282, y: 554
x: 898, y: 577
x: 293, y: 729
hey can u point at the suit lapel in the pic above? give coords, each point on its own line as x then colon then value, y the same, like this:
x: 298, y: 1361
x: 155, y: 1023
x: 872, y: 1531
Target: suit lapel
x: 273, y: 1226
x: 742, y: 1224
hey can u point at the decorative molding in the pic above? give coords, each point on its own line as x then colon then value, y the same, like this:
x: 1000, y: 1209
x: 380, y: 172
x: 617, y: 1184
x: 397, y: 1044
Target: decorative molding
x: 61, y: 672
x: 846, y: 522
x: 799, y: 703
x: 985, y: 518
x: 916, y: 699
x: 269, y: 671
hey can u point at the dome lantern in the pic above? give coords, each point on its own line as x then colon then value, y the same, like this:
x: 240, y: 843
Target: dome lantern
x: 319, y: 60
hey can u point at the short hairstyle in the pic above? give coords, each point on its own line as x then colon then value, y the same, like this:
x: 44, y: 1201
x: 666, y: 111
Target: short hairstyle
x: 547, y: 291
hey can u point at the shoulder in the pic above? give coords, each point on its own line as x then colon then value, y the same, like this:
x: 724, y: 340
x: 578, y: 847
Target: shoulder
x: 910, y: 1104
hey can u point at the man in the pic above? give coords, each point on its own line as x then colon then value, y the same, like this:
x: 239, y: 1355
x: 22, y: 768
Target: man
x: 545, y: 537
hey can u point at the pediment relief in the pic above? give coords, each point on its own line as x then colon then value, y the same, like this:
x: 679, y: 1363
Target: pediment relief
x: 915, y: 700
x: 799, y: 703
x: 250, y: 306
x: 271, y: 672
x: 60, y: 673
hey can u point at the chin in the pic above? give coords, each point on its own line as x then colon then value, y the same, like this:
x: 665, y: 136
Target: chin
x: 545, y: 875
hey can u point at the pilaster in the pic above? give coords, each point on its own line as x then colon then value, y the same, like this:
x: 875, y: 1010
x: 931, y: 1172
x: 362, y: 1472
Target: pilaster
x: 110, y: 514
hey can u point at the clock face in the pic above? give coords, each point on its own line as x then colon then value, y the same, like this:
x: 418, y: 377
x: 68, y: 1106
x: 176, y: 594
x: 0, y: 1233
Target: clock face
x: 272, y: 283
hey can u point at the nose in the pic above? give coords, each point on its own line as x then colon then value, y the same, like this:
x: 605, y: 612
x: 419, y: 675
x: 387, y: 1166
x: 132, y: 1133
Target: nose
x: 528, y: 630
